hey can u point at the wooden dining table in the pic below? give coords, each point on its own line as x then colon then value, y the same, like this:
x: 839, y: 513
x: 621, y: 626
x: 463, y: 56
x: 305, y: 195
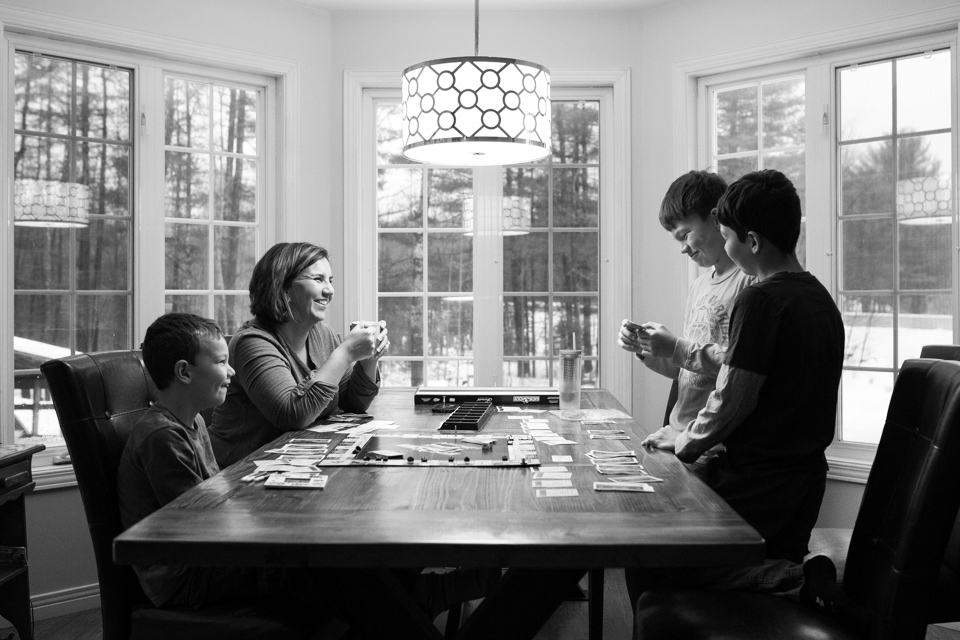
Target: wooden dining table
x: 372, y: 520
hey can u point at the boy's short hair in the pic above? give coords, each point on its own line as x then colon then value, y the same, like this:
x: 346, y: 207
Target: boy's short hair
x: 695, y: 192
x: 272, y: 276
x: 173, y: 337
x: 765, y: 202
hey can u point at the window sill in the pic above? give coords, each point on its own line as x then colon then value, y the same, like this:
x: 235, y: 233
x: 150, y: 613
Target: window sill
x: 52, y: 476
x: 848, y: 469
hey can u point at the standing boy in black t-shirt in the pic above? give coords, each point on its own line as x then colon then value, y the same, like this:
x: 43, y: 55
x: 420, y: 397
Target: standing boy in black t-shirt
x: 774, y: 406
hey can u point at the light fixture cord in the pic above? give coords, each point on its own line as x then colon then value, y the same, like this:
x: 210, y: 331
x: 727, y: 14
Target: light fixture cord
x: 476, y: 28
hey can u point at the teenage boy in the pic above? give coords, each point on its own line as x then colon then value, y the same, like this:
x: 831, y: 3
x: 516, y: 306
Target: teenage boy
x: 693, y: 360
x: 775, y: 401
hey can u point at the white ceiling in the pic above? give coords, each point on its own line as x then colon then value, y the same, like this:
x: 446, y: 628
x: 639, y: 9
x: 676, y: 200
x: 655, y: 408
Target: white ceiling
x: 485, y: 5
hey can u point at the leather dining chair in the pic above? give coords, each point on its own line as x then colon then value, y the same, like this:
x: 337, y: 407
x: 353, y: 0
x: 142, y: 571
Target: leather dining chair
x: 897, y: 546
x: 834, y: 542
x: 98, y: 398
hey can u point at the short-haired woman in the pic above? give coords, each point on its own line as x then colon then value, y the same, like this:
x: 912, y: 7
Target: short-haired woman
x: 291, y: 367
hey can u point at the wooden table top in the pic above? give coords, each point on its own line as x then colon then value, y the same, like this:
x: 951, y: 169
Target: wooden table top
x: 376, y: 516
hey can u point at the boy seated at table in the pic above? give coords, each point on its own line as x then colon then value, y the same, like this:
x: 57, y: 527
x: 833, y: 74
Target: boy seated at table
x: 774, y: 406
x: 168, y: 452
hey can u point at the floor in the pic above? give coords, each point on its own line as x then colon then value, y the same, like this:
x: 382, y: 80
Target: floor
x: 568, y: 623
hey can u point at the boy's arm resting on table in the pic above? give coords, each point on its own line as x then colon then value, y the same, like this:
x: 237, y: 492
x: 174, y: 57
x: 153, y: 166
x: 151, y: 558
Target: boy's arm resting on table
x: 727, y: 407
x: 271, y: 386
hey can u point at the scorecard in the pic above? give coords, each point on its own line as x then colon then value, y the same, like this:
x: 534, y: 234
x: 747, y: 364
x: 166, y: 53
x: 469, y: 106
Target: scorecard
x: 434, y: 450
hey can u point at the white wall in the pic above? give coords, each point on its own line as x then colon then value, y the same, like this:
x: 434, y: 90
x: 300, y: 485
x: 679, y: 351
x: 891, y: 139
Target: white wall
x: 649, y: 43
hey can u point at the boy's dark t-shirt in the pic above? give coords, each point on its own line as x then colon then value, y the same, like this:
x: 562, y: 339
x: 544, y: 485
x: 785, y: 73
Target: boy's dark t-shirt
x: 162, y: 459
x: 787, y: 328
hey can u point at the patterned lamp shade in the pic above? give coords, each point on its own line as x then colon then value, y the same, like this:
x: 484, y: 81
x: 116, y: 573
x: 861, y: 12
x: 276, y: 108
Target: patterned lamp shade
x: 925, y: 201
x: 516, y: 214
x: 50, y: 203
x: 476, y: 111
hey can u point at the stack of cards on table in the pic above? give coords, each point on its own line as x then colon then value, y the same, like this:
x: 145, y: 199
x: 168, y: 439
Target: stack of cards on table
x: 296, y: 480
x: 539, y: 429
x: 554, y: 481
x: 296, y: 456
x: 625, y: 471
x: 349, y: 417
x: 607, y: 434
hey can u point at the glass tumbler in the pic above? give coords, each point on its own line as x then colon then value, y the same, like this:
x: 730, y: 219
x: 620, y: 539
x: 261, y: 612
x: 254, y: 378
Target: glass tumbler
x: 568, y: 379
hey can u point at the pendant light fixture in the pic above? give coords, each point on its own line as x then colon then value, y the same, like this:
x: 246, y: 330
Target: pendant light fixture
x: 50, y: 203
x: 476, y: 111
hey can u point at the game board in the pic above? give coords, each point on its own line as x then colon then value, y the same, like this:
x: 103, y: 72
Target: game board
x: 439, y: 450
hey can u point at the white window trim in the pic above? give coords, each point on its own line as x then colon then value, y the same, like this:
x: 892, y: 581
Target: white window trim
x: 15, y: 23
x: 360, y: 88
x: 848, y: 461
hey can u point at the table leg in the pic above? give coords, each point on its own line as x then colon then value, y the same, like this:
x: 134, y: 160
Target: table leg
x: 595, y: 606
x: 522, y: 602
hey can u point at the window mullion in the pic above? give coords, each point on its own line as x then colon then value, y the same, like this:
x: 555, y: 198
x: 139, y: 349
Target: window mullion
x: 487, y: 275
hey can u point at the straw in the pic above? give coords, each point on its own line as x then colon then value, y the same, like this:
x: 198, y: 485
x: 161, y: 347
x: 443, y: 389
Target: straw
x: 573, y: 337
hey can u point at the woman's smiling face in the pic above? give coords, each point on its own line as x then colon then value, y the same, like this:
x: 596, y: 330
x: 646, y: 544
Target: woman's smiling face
x: 311, y: 292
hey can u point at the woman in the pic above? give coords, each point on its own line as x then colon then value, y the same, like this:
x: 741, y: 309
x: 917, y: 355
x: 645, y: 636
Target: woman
x: 291, y: 367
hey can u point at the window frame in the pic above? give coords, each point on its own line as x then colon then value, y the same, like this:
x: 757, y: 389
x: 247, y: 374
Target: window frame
x: 612, y: 88
x: 849, y: 461
x: 149, y: 56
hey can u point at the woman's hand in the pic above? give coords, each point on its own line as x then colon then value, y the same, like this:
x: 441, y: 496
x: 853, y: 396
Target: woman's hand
x: 360, y: 343
x: 381, y: 344
x: 379, y: 329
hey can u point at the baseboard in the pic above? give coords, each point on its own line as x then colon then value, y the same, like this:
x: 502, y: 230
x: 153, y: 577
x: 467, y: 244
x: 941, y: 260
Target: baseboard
x: 61, y: 603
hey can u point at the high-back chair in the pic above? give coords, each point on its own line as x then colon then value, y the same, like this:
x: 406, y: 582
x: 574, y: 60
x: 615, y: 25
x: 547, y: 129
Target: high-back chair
x: 907, y: 513
x: 946, y: 606
x: 98, y: 398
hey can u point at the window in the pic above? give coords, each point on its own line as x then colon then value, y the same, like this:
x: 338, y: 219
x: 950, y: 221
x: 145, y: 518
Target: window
x: 122, y: 163
x: 896, y: 216
x: 568, y: 194
x: 432, y: 257
x: 73, y: 216
x: 867, y: 137
x: 761, y: 125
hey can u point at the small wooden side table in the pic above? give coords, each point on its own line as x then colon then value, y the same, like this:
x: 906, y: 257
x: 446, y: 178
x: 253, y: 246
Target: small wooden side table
x: 16, y: 479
